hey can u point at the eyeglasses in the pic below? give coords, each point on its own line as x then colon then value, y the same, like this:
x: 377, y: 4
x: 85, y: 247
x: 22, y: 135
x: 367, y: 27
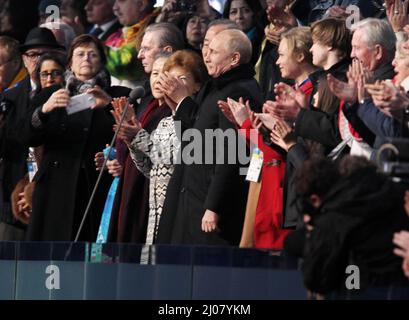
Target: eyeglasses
x: 34, y: 55
x: 53, y: 74
x: 82, y: 55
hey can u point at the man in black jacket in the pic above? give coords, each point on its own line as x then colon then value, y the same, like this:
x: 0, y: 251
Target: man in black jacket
x: 13, y: 151
x: 351, y: 214
x: 101, y: 14
x: 210, y: 197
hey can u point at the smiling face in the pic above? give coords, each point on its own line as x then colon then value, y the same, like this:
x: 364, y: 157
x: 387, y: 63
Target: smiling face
x: 241, y: 14
x: 401, y: 64
x: 157, y: 68
x: 286, y: 61
x: 86, y: 62
x: 362, y: 51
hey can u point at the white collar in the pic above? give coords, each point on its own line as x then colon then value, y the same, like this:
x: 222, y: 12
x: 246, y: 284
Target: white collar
x: 405, y: 84
x: 106, y: 26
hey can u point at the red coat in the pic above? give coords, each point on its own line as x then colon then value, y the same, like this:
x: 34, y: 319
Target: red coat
x: 267, y: 225
x: 268, y: 232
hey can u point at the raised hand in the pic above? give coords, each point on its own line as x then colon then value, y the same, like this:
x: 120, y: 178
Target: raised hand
x: 397, y: 13
x: 118, y: 105
x: 284, y: 91
x: 172, y: 87
x: 388, y: 98
x: 225, y: 109
x: 283, y: 109
x: 102, y: 99
x: 128, y: 130
x: 283, y: 136
x: 59, y: 99
x: 240, y: 110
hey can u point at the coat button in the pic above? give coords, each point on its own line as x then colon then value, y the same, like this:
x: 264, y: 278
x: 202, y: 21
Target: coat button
x: 182, y: 190
x: 56, y: 163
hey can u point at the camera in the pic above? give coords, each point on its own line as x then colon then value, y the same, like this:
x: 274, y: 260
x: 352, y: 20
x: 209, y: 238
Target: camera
x: 186, y: 5
x: 393, y: 158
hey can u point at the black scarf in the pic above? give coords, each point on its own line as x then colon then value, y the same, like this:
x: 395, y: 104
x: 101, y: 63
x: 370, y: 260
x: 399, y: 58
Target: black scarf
x: 241, y: 72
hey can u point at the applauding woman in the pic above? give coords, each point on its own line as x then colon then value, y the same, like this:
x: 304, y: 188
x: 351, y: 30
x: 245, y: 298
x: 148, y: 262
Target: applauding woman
x: 67, y: 173
x: 155, y: 154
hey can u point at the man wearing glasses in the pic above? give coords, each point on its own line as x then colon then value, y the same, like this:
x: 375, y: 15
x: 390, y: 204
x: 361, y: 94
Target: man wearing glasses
x: 14, y: 103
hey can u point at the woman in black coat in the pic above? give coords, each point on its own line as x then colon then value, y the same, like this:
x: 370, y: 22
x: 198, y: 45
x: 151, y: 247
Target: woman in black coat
x: 67, y: 172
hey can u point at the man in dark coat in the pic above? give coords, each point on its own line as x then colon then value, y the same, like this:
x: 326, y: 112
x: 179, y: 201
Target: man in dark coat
x: 209, y: 198
x: 101, y: 15
x: 13, y: 151
x: 352, y: 213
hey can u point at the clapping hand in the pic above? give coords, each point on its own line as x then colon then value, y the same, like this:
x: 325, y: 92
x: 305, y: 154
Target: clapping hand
x: 282, y: 135
x: 236, y: 111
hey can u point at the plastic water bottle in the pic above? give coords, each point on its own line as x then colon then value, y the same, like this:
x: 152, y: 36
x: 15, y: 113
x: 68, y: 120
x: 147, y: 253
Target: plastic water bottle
x: 32, y: 167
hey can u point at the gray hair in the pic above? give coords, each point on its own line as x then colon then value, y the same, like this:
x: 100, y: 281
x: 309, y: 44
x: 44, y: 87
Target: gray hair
x: 237, y: 41
x: 378, y: 32
x: 229, y: 25
x: 169, y: 35
x: 401, y: 38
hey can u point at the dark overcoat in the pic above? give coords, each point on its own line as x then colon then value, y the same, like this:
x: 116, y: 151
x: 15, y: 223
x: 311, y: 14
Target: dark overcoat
x: 67, y: 173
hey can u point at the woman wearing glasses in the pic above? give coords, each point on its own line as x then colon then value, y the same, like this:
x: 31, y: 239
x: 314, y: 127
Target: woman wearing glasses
x: 49, y: 71
x: 67, y: 174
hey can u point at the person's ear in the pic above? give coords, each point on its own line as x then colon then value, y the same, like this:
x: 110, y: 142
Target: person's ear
x: 300, y: 57
x: 379, y: 52
x: 235, y: 60
x: 168, y: 49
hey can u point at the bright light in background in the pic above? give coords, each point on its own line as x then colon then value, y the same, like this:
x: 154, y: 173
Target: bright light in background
x: 217, y: 4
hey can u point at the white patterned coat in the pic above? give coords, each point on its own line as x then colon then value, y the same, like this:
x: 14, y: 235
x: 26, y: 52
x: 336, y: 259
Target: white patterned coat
x: 154, y: 155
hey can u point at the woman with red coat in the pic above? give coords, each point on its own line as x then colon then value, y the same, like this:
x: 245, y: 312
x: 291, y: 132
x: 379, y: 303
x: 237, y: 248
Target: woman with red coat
x: 263, y: 221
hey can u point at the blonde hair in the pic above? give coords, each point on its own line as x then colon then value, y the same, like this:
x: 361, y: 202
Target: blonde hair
x: 299, y: 40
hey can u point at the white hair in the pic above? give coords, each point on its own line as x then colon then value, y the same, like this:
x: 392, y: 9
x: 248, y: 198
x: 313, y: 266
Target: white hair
x: 378, y: 32
x: 237, y: 41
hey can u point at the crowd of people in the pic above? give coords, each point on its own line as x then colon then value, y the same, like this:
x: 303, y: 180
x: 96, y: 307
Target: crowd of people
x: 308, y: 93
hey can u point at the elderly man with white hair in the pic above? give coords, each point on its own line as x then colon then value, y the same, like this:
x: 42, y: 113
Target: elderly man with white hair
x: 209, y: 194
x: 359, y: 121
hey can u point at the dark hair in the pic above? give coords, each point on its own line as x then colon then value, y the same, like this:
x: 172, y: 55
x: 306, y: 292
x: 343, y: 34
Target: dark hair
x: 316, y: 176
x: 86, y: 40
x: 79, y: 7
x: 254, y: 6
x: 37, y: 70
x: 334, y: 33
x: 189, y: 60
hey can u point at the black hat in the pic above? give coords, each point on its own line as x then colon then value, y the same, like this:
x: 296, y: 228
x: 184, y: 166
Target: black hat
x: 40, y: 37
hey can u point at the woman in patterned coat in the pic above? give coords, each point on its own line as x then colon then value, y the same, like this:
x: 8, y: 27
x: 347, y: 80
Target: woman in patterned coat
x: 155, y: 154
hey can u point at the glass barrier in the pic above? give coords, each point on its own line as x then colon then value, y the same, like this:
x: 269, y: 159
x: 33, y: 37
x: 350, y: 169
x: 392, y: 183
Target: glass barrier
x: 82, y: 271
